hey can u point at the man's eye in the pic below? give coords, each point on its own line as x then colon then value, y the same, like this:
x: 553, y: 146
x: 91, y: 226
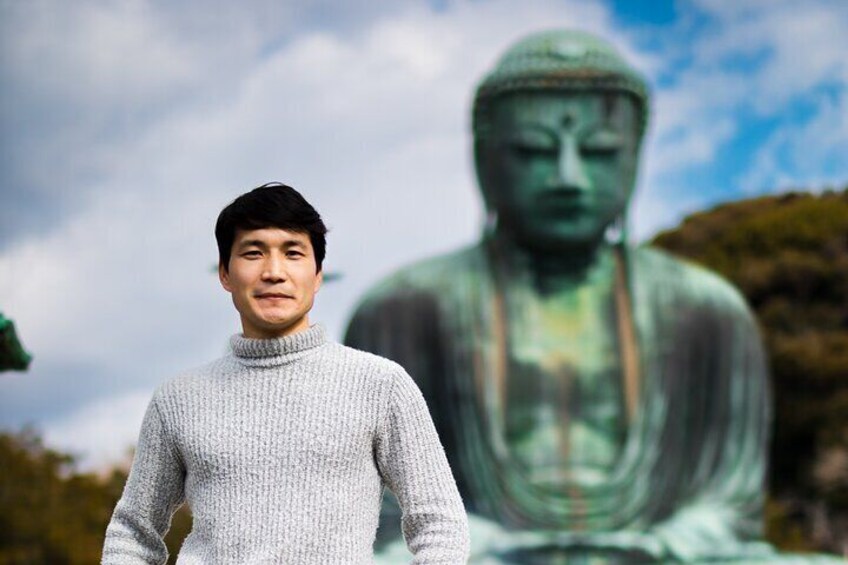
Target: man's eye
x: 602, y: 143
x: 251, y: 254
x: 295, y: 254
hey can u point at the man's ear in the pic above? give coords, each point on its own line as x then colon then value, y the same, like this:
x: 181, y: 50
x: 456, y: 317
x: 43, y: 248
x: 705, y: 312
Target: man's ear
x: 319, y: 281
x: 224, y: 277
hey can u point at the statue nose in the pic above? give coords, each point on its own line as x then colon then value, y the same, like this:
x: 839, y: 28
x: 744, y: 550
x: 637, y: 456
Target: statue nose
x: 571, y: 171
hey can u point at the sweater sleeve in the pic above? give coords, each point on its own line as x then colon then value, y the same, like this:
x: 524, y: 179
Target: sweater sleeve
x: 153, y: 492
x: 413, y: 465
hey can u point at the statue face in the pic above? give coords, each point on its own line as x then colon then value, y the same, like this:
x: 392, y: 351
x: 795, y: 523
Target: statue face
x: 558, y: 166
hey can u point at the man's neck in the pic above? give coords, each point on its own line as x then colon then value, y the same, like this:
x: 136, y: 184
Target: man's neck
x: 253, y: 332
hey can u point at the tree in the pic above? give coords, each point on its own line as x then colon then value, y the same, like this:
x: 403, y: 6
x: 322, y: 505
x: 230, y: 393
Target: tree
x: 53, y: 515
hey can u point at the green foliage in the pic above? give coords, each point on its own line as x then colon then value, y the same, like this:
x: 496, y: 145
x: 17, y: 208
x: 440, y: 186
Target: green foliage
x: 788, y: 255
x: 53, y: 515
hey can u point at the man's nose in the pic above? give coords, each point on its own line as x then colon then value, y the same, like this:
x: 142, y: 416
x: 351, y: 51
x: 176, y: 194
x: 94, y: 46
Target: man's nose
x: 571, y: 171
x: 274, y: 269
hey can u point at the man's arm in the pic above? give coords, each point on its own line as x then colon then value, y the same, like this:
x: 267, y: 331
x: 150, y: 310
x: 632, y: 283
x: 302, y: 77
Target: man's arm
x: 153, y: 492
x: 413, y: 465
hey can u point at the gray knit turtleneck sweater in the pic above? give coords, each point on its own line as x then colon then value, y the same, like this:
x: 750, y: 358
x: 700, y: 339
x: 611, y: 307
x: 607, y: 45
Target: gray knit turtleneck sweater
x: 282, y: 449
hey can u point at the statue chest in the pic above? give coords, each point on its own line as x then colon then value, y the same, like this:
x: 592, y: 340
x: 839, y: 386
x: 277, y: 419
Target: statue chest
x: 563, y: 416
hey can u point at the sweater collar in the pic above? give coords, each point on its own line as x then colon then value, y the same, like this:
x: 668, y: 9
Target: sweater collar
x: 278, y: 350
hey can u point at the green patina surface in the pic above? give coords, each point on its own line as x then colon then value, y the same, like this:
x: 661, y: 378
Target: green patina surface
x: 598, y: 403
x: 12, y: 354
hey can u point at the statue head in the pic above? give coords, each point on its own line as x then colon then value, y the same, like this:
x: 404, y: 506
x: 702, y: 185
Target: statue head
x: 557, y: 129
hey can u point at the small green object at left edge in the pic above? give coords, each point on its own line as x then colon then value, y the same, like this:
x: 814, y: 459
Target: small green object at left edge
x: 12, y: 354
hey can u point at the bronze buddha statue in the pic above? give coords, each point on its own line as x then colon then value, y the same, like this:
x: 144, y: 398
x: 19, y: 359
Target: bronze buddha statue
x: 598, y: 402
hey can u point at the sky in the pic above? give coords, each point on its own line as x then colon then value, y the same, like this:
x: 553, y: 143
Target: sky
x: 125, y: 127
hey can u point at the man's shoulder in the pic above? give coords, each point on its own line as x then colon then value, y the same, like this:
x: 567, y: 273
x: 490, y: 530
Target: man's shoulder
x: 364, y: 362
x: 192, y: 381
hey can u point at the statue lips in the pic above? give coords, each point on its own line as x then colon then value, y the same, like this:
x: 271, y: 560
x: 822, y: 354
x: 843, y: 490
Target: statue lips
x: 562, y: 203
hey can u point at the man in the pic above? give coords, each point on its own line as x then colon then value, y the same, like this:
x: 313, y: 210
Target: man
x: 282, y: 447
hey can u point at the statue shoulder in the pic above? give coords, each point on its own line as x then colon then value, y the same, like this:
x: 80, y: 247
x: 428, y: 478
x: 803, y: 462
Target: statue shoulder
x: 409, y: 302
x: 688, y: 281
x: 433, y: 275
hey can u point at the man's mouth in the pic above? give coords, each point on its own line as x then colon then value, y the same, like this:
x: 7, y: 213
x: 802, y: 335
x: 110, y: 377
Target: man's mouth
x: 273, y: 295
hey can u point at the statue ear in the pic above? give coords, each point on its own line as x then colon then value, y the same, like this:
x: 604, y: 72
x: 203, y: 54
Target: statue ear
x: 478, y: 154
x: 482, y: 168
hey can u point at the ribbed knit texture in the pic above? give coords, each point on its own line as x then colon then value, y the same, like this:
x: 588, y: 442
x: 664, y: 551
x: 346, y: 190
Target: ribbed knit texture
x: 282, y: 449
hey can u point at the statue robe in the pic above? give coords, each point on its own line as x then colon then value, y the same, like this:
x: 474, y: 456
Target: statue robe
x: 688, y: 483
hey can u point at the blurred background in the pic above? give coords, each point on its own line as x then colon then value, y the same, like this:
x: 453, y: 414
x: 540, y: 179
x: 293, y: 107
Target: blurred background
x: 126, y: 126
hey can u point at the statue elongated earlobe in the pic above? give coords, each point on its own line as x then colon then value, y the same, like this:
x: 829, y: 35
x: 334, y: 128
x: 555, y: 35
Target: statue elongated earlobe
x: 615, y: 233
x: 490, y: 225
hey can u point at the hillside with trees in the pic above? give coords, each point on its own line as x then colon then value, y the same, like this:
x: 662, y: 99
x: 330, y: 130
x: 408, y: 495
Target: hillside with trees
x: 788, y: 254
x: 52, y: 514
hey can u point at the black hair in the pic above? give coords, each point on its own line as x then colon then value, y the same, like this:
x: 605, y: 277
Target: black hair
x: 272, y: 205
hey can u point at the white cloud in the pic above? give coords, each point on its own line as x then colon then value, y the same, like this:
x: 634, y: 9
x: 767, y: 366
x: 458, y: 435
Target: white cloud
x: 800, y: 48
x: 102, y: 432
x: 117, y: 54
x: 806, y: 155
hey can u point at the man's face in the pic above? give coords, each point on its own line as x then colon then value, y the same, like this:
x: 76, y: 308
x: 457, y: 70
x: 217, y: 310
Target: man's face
x: 272, y: 279
x: 557, y: 166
